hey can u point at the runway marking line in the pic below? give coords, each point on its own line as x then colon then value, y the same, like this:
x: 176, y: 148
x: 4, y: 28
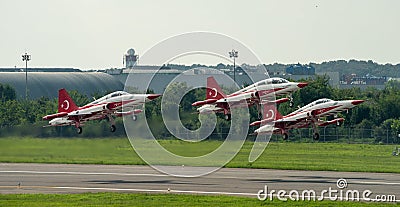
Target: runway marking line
x: 131, y: 189
x: 83, y: 173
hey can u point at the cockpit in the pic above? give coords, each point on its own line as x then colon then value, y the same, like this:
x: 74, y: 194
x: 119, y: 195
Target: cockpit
x: 117, y: 93
x: 319, y: 101
x: 111, y: 95
x: 271, y: 81
x: 278, y: 80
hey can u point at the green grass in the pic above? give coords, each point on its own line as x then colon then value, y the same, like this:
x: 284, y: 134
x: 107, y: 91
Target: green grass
x: 68, y: 150
x: 125, y: 199
x: 283, y: 155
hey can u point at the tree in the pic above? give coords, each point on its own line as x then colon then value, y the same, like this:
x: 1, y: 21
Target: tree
x: 316, y: 89
x: 7, y: 92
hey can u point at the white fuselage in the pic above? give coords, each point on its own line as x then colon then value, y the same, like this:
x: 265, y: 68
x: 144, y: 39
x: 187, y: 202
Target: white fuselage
x: 267, y: 88
x: 310, y: 113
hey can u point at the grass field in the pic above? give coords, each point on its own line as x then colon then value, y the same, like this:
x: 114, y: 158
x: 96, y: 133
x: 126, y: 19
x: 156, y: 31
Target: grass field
x: 283, y: 155
x: 124, y: 199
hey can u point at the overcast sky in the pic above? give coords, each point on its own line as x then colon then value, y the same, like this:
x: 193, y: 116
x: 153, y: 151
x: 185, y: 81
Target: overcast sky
x: 94, y: 34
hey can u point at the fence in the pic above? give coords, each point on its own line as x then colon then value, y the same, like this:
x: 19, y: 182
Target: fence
x: 327, y: 134
x: 331, y: 134
x: 344, y: 135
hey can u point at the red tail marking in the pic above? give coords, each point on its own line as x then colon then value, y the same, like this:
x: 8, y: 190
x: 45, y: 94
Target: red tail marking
x: 270, y: 112
x: 65, y: 102
x: 213, y: 90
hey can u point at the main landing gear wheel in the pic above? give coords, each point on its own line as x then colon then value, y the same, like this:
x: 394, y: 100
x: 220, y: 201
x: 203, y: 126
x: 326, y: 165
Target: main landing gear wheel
x: 113, y: 128
x: 228, y: 117
x: 134, y: 117
x: 79, y: 130
x: 291, y: 104
x: 316, y: 136
x: 285, y: 136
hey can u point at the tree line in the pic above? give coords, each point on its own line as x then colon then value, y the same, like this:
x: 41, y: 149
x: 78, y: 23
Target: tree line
x: 359, y: 67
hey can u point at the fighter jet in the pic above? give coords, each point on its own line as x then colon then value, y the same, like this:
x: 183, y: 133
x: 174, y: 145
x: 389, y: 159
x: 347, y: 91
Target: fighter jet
x: 106, y: 107
x: 217, y: 101
x: 311, y: 114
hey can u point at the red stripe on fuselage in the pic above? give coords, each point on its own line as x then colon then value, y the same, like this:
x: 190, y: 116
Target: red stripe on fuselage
x: 111, y: 104
x: 317, y: 111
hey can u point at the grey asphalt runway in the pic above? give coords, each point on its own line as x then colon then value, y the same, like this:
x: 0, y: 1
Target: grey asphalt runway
x: 71, y: 178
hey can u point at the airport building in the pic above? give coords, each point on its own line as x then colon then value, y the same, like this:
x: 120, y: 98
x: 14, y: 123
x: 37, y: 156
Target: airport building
x: 47, y: 84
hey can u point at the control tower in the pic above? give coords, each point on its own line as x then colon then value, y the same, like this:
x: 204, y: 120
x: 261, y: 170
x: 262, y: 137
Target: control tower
x: 130, y: 58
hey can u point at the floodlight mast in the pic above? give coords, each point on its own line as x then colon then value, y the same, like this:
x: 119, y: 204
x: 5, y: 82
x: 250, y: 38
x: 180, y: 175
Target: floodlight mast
x: 234, y: 54
x: 26, y: 58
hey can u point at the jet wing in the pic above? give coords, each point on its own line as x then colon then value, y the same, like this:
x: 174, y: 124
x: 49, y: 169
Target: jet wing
x: 294, y: 118
x: 127, y: 113
x: 90, y: 110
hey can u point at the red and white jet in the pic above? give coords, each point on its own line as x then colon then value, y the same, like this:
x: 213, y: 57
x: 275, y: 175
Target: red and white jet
x: 217, y: 101
x: 311, y: 114
x: 106, y: 107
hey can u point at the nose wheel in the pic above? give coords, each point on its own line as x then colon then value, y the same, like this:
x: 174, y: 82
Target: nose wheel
x: 113, y: 128
x: 291, y: 103
x: 285, y: 136
x: 316, y: 136
x: 79, y: 130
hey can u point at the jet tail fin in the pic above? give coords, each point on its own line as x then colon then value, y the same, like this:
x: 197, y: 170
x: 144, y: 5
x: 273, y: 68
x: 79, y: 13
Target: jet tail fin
x: 214, y: 91
x: 270, y: 112
x: 65, y: 102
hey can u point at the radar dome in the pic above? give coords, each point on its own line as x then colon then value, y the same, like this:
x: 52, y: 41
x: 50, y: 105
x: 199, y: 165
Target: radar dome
x: 131, y: 51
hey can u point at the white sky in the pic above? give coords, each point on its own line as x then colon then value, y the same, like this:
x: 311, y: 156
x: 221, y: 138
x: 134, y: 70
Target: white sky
x: 94, y: 34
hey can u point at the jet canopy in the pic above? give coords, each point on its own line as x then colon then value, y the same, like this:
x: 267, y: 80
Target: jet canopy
x: 111, y: 95
x: 319, y: 101
x: 271, y: 81
x: 278, y: 80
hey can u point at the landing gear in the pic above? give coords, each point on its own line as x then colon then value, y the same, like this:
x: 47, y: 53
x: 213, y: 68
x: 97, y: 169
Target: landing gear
x: 285, y: 136
x: 134, y: 117
x: 315, y: 128
x: 79, y: 130
x: 339, y: 123
x: 113, y: 128
x: 228, y: 117
x: 291, y: 103
x: 316, y: 136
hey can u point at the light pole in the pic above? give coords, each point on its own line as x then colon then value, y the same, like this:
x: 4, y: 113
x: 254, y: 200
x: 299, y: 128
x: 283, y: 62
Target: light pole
x: 234, y: 54
x: 26, y: 58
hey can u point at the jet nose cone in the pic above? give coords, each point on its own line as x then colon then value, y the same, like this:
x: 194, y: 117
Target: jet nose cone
x: 153, y: 96
x: 302, y: 85
x: 356, y: 102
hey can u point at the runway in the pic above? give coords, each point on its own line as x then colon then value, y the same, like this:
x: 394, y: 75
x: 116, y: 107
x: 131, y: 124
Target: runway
x: 71, y: 178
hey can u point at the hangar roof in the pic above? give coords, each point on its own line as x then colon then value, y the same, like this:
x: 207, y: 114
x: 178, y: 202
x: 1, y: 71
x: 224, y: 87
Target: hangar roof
x: 47, y: 84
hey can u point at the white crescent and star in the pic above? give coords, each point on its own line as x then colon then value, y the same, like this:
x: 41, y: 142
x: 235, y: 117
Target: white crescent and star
x: 66, y: 102
x: 272, y: 114
x: 215, y: 93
